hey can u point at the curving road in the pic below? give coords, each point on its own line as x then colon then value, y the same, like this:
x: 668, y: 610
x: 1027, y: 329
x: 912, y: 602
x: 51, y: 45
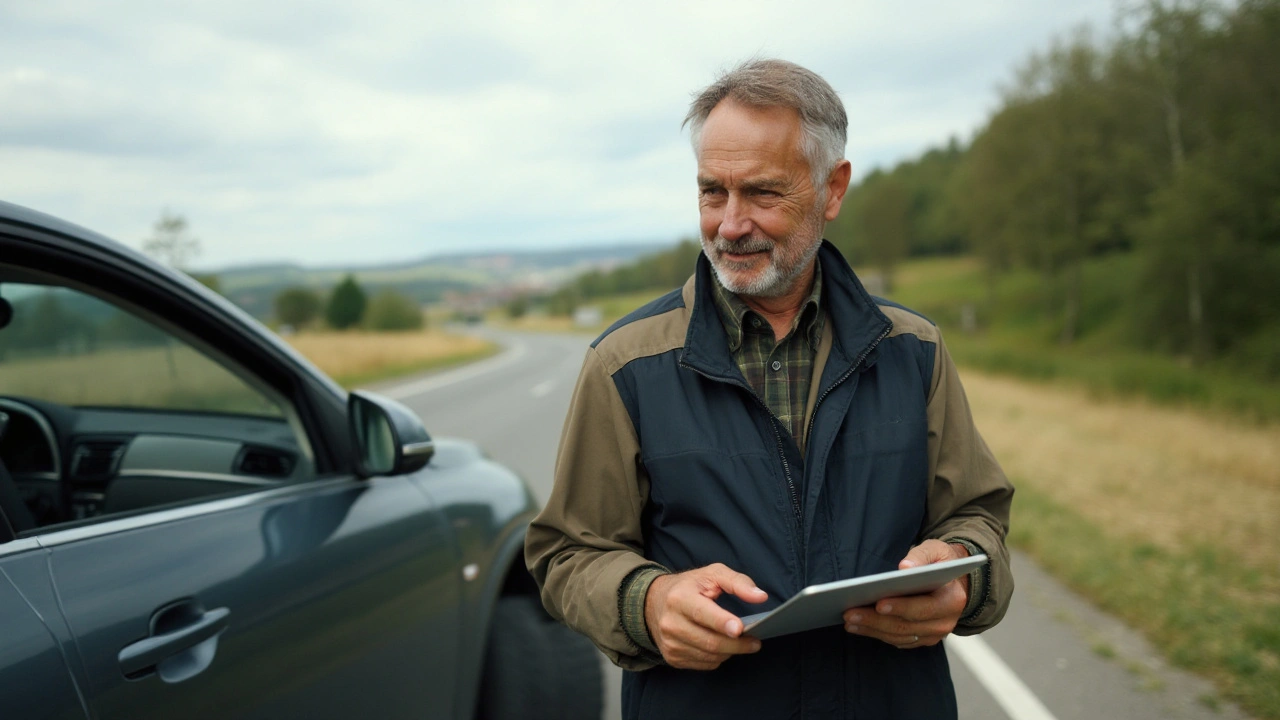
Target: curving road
x: 1054, y: 656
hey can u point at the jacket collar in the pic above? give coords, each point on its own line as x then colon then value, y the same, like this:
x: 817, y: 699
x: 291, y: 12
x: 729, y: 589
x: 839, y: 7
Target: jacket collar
x: 857, y: 325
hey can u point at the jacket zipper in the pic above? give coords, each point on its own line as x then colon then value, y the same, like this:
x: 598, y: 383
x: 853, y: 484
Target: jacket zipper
x: 777, y: 437
x: 786, y: 468
x: 808, y: 433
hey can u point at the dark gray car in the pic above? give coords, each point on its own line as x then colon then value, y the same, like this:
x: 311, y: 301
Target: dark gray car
x: 195, y: 522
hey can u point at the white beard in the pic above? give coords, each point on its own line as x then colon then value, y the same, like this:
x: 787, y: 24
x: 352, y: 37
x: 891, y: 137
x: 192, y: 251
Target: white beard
x: 779, y: 277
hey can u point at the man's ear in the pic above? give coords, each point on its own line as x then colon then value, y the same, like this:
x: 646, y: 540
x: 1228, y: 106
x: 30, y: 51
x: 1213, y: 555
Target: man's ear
x: 837, y: 186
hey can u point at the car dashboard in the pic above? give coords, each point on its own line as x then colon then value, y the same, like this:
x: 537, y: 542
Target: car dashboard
x: 75, y: 463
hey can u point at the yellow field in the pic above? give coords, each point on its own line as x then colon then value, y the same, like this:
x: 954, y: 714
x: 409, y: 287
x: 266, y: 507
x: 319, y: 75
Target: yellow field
x: 178, y: 377
x: 1175, y: 478
x: 174, y: 377
x: 361, y: 356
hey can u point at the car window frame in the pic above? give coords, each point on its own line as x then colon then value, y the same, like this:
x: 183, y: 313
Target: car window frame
x: 172, y: 332
x: 316, y: 420
x: 288, y: 412
x: 320, y: 402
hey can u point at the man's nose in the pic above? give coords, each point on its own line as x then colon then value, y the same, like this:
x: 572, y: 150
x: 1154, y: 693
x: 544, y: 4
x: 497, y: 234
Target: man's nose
x: 736, y: 223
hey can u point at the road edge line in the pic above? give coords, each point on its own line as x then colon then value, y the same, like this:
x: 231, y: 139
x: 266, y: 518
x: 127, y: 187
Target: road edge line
x: 1008, y: 690
x: 435, y: 382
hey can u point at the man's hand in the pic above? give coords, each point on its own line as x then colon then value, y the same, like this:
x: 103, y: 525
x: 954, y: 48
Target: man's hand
x: 916, y: 620
x: 689, y: 628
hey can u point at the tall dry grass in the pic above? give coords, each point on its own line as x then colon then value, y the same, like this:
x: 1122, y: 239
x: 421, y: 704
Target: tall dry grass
x: 174, y: 377
x: 1172, y: 477
x: 1165, y: 517
x: 361, y: 356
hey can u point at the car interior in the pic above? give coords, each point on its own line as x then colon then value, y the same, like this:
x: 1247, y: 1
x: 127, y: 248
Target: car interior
x: 108, y: 410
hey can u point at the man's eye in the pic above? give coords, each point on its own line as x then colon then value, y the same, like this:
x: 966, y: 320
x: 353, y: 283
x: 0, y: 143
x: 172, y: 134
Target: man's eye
x: 711, y: 192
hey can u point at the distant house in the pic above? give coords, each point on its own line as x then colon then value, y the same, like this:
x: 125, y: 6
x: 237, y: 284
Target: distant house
x: 588, y: 316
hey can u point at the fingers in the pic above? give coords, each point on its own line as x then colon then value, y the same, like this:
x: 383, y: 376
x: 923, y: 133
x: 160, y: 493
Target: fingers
x: 689, y: 645
x: 905, y: 642
x: 706, y: 614
x: 734, y: 583
x: 945, y: 602
x: 927, y: 553
x: 915, y: 621
x: 689, y: 628
x: 865, y: 621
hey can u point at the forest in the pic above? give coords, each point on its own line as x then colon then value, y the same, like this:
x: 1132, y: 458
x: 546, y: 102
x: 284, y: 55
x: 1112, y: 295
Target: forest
x: 1127, y: 183
x: 1160, y: 144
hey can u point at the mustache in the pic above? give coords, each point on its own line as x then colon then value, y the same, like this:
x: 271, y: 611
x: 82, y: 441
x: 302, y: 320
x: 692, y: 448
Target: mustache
x: 745, y: 245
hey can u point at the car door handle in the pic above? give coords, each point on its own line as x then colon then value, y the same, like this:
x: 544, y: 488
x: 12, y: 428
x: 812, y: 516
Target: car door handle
x: 195, y: 626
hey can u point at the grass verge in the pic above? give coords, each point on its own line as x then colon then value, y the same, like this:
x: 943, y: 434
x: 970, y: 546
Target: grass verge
x: 359, y: 358
x: 395, y: 370
x: 1205, y: 610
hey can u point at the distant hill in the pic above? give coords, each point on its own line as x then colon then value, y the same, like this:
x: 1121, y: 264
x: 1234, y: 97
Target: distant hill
x: 254, y: 287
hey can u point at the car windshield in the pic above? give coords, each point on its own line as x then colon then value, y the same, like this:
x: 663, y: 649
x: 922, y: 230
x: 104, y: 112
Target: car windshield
x: 67, y: 347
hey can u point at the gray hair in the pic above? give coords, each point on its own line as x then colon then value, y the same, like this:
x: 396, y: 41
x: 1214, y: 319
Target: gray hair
x: 824, y: 126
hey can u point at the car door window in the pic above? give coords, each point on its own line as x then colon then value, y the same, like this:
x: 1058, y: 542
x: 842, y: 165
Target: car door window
x: 111, y: 410
x: 68, y: 347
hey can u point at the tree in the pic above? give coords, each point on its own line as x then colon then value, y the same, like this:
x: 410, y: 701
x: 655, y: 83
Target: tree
x: 518, y: 306
x: 346, y: 305
x: 297, y: 307
x: 1037, y: 177
x: 1163, y: 65
x: 390, y: 310
x: 883, y: 214
x: 171, y: 241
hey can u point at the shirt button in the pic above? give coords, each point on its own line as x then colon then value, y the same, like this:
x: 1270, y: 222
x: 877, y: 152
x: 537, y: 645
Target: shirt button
x: 755, y: 322
x: 776, y: 366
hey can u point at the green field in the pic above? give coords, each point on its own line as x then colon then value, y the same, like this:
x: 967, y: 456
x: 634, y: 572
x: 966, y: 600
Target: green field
x: 1015, y: 337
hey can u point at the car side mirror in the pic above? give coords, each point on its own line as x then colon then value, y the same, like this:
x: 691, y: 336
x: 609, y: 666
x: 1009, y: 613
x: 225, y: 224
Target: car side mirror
x: 389, y: 437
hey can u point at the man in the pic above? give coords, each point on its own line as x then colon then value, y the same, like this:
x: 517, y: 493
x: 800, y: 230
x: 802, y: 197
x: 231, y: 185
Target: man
x: 770, y: 426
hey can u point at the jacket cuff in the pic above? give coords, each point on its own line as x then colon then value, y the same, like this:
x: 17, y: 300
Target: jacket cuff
x: 979, y: 581
x: 631, y: 599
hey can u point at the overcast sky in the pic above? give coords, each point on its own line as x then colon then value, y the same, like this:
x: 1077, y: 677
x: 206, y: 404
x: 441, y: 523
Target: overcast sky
x: 345, y: 132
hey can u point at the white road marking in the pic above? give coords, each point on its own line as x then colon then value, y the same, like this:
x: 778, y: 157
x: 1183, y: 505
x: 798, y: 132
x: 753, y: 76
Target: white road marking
x: 435, y: 382
x: 1017, y: 700
x: 542, y: 389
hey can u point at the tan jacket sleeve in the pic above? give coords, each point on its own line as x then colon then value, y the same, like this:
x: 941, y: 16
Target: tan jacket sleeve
x: 588, y: 538
x: 969, y: 497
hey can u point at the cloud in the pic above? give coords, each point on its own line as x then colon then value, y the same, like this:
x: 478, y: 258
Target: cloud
x: 335, y: 131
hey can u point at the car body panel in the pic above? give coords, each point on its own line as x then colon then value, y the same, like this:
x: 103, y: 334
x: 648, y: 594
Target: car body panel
x: 36, y: 680
x: 490, y: 536
x: 337, y: 596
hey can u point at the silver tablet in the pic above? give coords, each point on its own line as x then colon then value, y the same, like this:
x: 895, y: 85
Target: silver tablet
x: 822, y: 605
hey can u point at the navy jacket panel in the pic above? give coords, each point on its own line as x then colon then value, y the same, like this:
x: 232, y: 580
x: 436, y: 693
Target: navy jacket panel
x: 727, y: 484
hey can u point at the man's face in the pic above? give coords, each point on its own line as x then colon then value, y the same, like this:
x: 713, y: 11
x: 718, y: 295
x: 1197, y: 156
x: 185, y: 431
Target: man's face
x: 761, y: 218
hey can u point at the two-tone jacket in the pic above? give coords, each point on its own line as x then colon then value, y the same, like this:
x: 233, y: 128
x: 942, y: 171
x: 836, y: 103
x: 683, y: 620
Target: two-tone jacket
x: 668, y: 457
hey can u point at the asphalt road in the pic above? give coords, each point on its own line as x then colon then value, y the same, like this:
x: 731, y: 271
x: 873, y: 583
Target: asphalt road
x: 1054, y: 656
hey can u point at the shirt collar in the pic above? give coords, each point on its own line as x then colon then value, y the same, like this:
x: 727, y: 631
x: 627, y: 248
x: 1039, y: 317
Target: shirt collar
x: 736, y: 315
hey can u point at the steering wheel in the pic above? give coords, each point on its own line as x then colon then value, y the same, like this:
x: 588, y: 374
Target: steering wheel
x: 15, y: 515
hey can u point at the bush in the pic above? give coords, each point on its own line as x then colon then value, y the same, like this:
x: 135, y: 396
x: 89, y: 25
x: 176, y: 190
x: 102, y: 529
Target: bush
x: 517, y: 307
x: 389, y: 310
x: 297, y: 307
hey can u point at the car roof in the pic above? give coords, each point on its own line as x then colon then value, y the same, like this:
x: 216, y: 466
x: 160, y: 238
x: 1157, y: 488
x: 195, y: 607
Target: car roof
x: 27, y: 216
